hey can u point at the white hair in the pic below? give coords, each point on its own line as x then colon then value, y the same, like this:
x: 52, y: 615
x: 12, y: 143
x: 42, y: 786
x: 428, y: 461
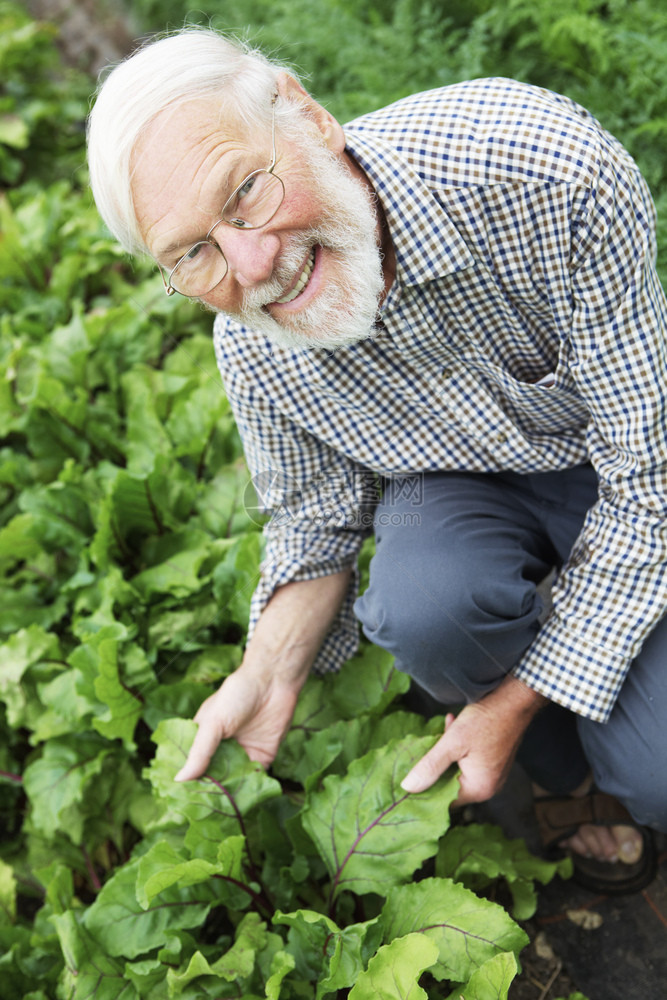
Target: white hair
x: 196, y: 63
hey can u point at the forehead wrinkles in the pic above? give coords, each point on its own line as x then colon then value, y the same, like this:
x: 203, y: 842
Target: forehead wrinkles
x: 185, y: 139
x: 179, y: 167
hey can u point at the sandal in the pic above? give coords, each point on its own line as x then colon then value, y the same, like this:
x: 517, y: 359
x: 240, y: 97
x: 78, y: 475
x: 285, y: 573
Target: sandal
x: 559, y: 817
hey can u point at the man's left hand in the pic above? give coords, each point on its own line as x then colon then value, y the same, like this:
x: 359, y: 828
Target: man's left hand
x: 483, y: 739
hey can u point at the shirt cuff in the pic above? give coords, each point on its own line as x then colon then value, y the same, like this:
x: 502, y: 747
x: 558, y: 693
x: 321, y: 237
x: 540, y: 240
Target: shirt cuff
x: 581, y: 676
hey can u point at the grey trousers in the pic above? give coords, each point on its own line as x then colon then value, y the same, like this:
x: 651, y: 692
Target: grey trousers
x: 453, y: 595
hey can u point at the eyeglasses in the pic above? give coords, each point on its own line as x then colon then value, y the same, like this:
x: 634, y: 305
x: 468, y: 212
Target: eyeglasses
x: 251, y: 205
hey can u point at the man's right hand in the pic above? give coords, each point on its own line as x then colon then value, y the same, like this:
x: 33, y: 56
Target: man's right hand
x: 255, y: 712
x: 255, y: 704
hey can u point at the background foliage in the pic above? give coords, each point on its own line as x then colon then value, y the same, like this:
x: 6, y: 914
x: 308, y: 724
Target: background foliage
x: 127, y: 562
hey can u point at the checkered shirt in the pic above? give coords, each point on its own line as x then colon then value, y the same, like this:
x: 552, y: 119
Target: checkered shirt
x: 524, y: 331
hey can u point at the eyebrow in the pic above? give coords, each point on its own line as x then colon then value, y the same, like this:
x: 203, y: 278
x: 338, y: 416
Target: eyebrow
x: 177, y: 248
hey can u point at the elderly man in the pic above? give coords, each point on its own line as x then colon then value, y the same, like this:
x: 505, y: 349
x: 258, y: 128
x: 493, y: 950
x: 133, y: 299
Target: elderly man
x: 455, y: 295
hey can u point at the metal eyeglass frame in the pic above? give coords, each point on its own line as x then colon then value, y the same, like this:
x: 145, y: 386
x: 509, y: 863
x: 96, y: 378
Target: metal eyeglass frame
x: 238, y: 223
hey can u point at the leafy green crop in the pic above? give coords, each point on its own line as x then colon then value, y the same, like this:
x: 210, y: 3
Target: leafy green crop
x: 241, y: 883
x: 127, y: 563
x: 40, y: 103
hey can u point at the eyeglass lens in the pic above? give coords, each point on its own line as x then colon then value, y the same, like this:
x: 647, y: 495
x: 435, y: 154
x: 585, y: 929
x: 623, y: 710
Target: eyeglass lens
x: 251, y: 206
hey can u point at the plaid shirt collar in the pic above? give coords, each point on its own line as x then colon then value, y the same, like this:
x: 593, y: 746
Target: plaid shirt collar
x: 426, y: 242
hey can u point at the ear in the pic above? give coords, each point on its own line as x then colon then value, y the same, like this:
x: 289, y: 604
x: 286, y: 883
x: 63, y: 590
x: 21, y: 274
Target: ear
x: 331, y: 132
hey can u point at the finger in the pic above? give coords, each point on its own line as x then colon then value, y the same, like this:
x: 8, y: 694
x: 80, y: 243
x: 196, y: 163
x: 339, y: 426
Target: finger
x: 427, y: 770
x: 203, y: 747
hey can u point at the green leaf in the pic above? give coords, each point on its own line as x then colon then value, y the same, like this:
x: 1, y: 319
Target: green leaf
x: 27, y: 647
x: 237, y: 575
x: 105, y: 670
x: 67, y: 711
x: 148, y: 976
x: 368, y: 682
x: 18, y: 540
x: 60, y: 511
x: 99, y: 605
x: 214, y: 663
x: 58, y: 882
x: 122, y: 926
x: 181, y: 558
x: 89, y: 972
x: 326, y: 954
x: 394, y: 972
x: 28, y: 957
x: 187, y: 627
x: 239, y: 961
x: 306, y: 758
x: 29, y: 604
x: 236, y: 965
x: 196, y: 967
x: 477, y: 855
x: 231, y: 853
x: 282, y: 963
x: 218, y: 801
x: 491, y: 981
x: 14, y: 132
x: 166, y: 701
x: 7, y: 894
x: 220, y: 503
x: 318, y: 736
x: 370, y: 833
x: 162, y: 866
x: 315, y: 709
x: 123, y: 707
x: 58, y: 782
x: 147, y: 437
x: 123, y: 512
x: 194, y: 418
x: 467, y: 930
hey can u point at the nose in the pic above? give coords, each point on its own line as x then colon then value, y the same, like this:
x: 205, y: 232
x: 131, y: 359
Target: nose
x: 251, y: 253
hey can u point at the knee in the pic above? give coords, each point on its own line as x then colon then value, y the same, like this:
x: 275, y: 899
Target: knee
x: 450, y: 629
x: 410, y: 621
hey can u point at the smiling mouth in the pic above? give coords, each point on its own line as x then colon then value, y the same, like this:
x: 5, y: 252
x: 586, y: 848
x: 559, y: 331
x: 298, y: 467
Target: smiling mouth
x: 301, y: 282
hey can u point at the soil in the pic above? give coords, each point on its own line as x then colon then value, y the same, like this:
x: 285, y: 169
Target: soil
x: 543, y: 975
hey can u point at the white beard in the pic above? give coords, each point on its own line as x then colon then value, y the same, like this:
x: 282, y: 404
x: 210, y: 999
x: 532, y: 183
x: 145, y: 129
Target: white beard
x: 345, y: 311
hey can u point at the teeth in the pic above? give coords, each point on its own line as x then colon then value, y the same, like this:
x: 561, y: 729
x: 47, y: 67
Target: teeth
x: 304, y: 277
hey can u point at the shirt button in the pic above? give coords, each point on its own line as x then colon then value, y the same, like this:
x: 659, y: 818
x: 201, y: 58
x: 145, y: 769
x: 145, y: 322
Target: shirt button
x: 447, y: 373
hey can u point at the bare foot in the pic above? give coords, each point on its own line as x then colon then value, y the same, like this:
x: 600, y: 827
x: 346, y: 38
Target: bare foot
x: 604, y: 843
x: 607, y: 843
